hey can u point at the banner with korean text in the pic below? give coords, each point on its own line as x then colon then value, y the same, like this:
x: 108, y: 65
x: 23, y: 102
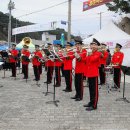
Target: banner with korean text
x: 89, y: 4
x: 32, y: 28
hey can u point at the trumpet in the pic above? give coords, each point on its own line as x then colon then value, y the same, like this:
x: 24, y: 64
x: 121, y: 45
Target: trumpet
x: 41, y: 60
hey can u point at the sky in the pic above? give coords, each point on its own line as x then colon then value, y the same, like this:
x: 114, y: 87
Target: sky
x: 83, y: 23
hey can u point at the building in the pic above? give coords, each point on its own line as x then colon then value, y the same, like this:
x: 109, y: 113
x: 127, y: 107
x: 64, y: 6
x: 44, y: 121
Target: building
x: 48, y: 38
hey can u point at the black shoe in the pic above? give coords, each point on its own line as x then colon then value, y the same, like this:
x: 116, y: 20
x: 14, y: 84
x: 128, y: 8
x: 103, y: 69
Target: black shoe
x: 64, y: 89
x: 68, y: 91
x: 87, y: 105
x: 78, y: 99
x: 57, y: 85
x: 34, y: 79
x: 47, y: 82
x: 74, y: 97
x: 12, y: 76
x: 25, y: 78
x: 90, y: 109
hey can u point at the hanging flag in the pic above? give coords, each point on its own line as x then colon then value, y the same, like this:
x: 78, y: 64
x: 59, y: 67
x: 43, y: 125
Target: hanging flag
x: 89, y: 4
x: 62, y: 39
x: 63, y: 22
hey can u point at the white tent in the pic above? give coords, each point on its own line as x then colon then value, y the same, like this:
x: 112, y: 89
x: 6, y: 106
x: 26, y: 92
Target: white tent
x: 109, y: 33
x: 20, y: 46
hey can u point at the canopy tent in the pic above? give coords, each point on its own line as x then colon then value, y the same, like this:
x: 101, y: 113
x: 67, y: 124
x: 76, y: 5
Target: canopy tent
x: 110, y: 34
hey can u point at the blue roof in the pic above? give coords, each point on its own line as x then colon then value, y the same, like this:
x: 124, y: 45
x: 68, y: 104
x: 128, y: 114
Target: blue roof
x: 57, y: 42
x: 4, y: 47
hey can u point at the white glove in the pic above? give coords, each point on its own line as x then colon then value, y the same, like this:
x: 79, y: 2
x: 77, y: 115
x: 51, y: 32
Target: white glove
x: 64, y: 54
x: 89, y: 52
x: 77, y: 56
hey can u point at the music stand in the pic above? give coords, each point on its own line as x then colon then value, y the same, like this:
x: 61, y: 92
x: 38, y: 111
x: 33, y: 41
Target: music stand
x: 126, y: 71
x: 1, y: 64
x: 54, y: 100
x: 47, y: 53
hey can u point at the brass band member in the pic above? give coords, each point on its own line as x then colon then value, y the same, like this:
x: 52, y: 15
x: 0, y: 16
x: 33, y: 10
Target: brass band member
x: 117, y: 60
x: 5, y: 58
x: 36, y: 63
x: 103, y: 60
x: 68, y: 57
x: 92, y: 63
x: 80, y: 56
x: 49, y: 66
x: 13, y: 54
x: 25, y: 60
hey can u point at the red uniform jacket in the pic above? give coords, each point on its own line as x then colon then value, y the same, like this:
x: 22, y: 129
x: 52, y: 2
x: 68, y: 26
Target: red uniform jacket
x: 35, y: 61
x: 117, y: 58
x: 14, y: 54
x: 104, y: 58
x: 92, y: 64
x: 49, y: 63
x: 27, y: 54
x: 68, y: 61
x: 80, y: 64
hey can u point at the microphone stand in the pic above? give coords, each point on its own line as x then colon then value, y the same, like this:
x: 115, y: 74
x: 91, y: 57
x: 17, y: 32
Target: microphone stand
x: 38, y: 80
x: 27, y: 72
x: 3, y: 69
x: 15, y: 70
x: 126, y: 70
x: 47, y: 92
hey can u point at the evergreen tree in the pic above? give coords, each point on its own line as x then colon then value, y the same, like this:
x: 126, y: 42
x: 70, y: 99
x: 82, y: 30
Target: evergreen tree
x: 119, y: 6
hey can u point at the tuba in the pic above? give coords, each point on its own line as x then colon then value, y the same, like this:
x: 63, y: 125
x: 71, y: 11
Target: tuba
x: 26, y: 41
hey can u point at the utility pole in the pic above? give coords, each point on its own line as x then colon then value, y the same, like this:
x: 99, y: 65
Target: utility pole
x: 10, y: 8
x: 69, y: 21
x: 16, y: 34
x: 101, y: 19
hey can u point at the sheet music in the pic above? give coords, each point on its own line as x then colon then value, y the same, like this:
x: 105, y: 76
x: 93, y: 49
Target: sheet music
x: 1, y: 63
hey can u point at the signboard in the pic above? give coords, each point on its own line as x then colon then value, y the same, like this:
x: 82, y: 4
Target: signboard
x: 32, y: 28
x: 89, y: 4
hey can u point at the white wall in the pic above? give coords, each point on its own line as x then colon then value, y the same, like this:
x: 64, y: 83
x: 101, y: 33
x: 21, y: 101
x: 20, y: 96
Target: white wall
x: 47, y: 38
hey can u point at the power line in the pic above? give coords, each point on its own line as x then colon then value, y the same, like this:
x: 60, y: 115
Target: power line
x: 43, y: 9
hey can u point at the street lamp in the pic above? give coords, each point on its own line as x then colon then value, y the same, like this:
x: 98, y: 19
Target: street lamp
x: 11, y: 6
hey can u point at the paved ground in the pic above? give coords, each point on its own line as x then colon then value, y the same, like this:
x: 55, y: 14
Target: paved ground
x: 23, y: 107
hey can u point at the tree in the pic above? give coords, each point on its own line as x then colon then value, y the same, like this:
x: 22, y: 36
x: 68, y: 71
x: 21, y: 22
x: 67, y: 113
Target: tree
x: 119, y: 6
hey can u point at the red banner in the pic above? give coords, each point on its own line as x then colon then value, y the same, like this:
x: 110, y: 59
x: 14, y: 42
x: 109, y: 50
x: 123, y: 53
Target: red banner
x: 93, y: 3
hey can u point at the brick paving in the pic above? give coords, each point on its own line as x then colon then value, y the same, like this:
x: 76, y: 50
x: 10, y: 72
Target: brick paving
x: 23, y: 106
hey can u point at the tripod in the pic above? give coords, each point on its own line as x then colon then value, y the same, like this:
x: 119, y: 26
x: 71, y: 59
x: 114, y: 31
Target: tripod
x: 126, y: 71
x: 54, y: 99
